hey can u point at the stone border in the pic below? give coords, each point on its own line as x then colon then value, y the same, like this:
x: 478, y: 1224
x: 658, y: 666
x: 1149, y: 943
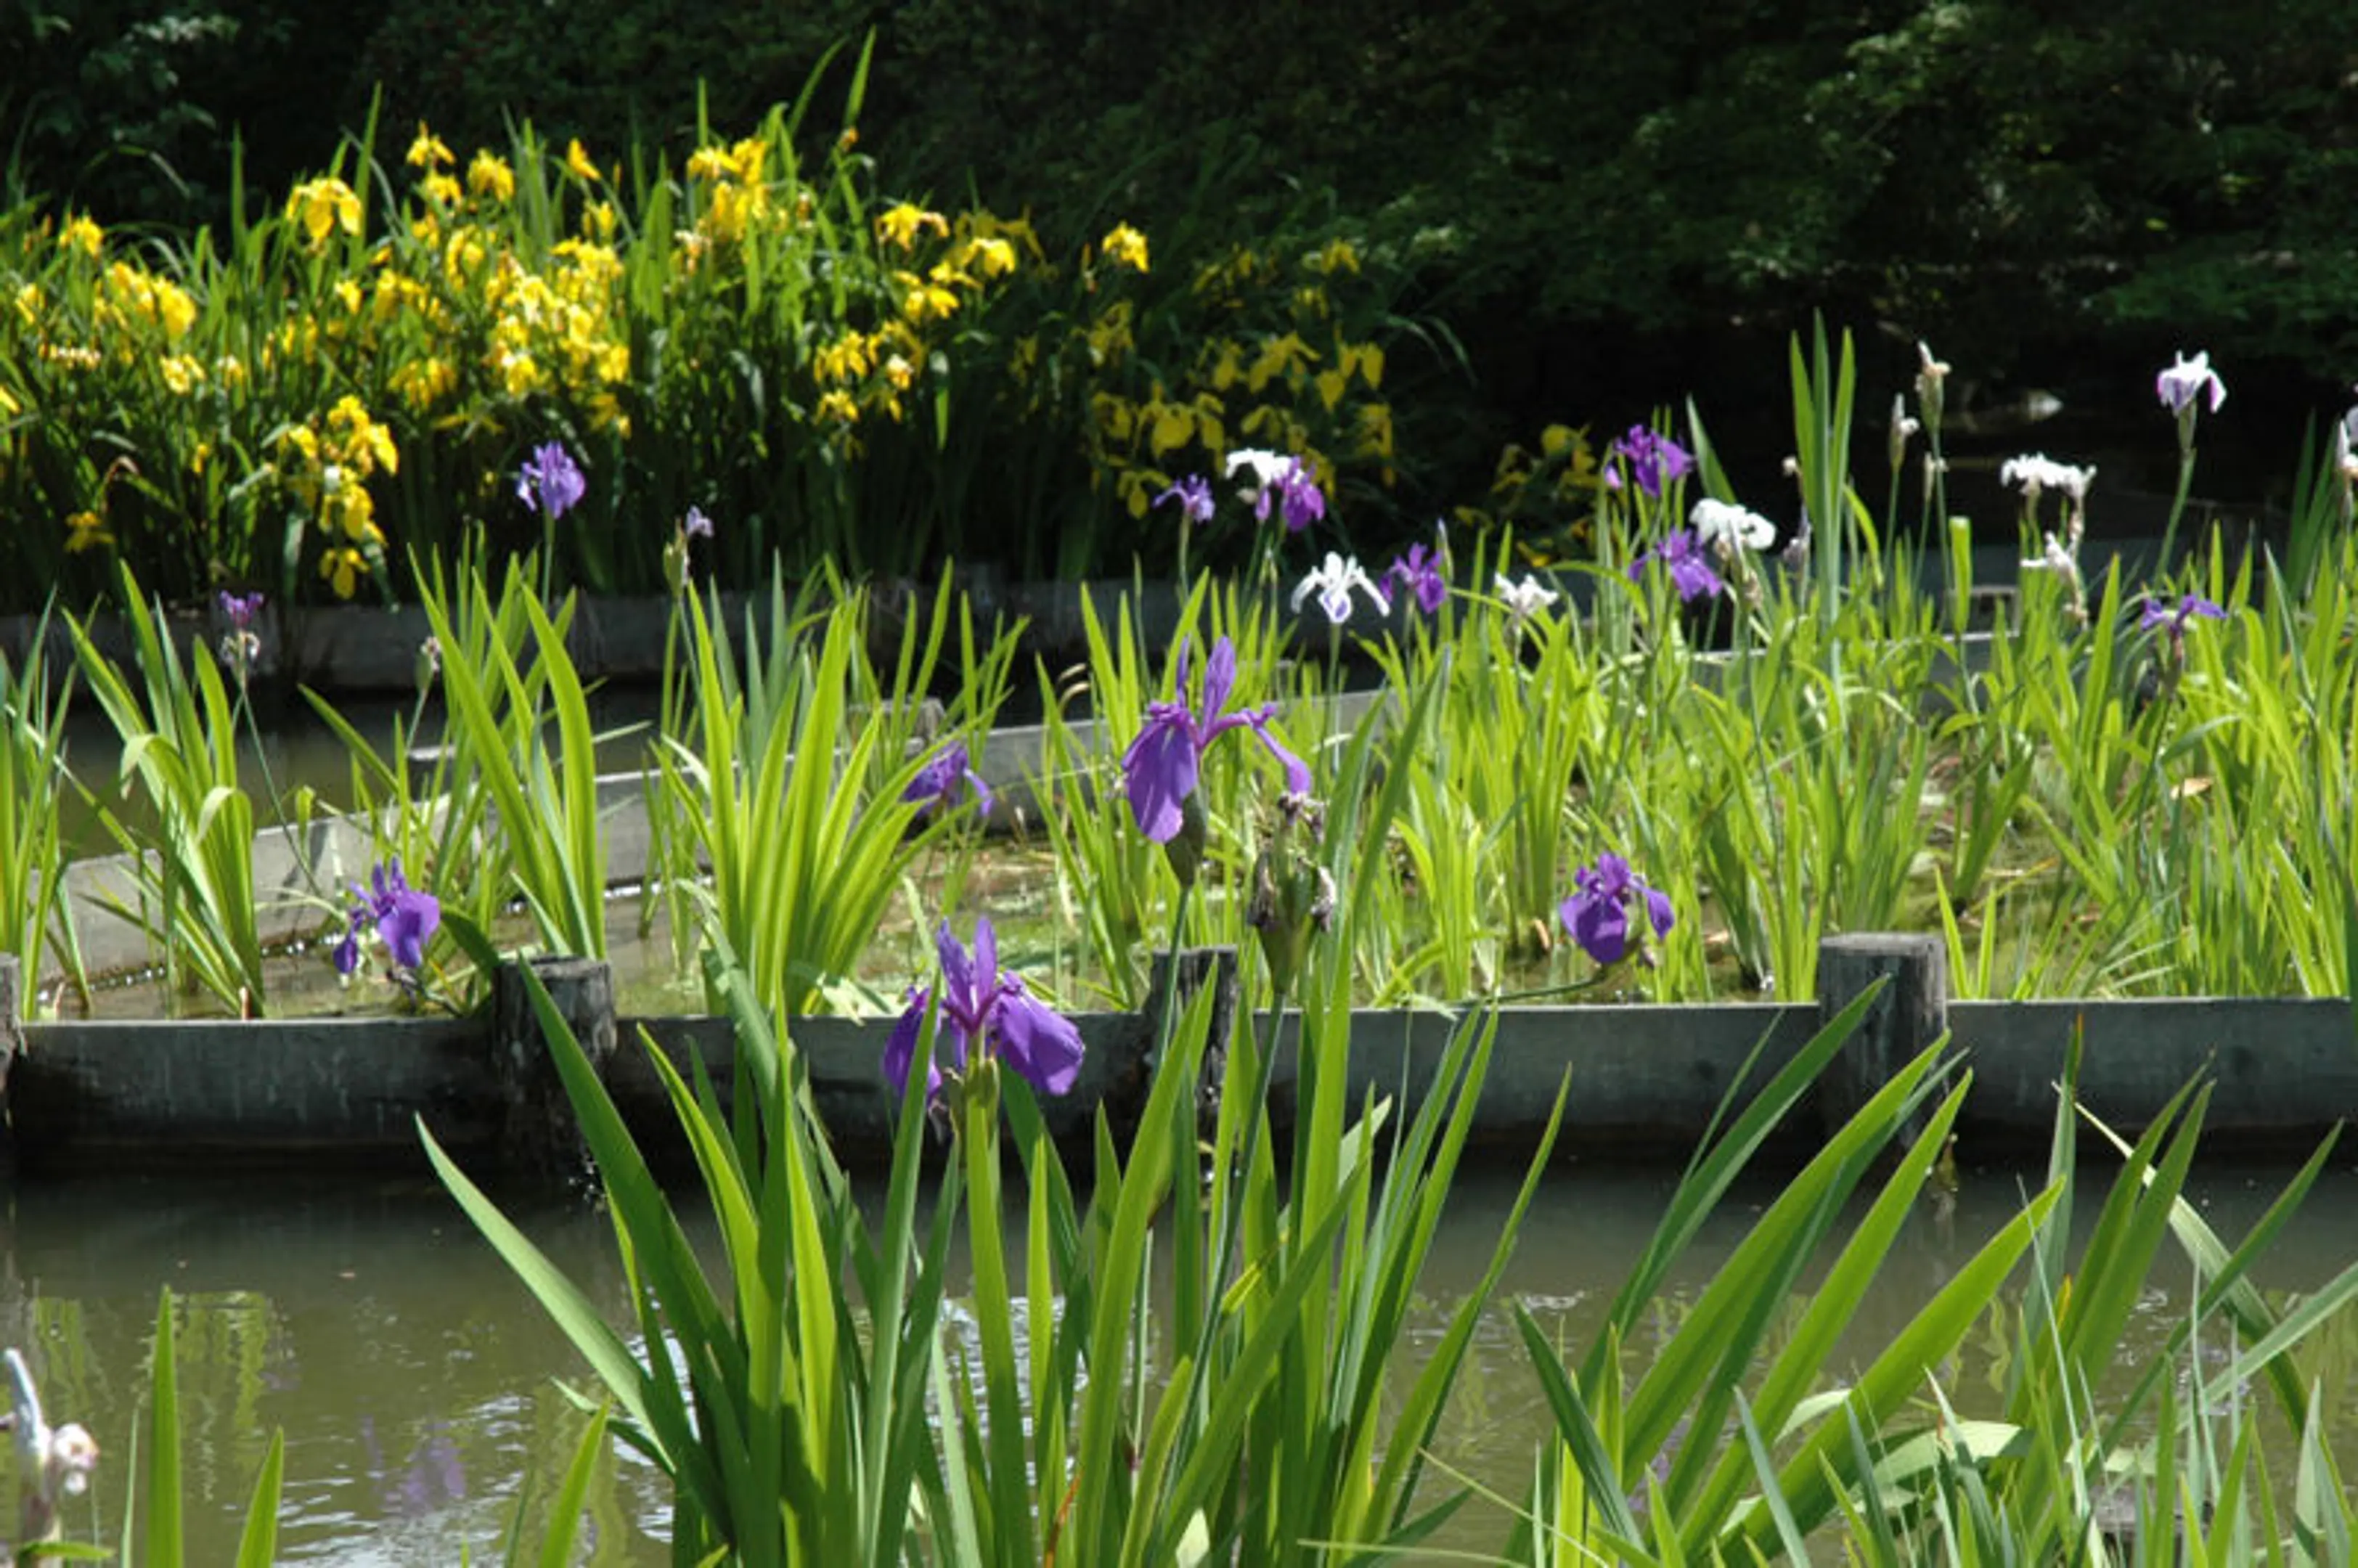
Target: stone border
x: 1645, y: 1080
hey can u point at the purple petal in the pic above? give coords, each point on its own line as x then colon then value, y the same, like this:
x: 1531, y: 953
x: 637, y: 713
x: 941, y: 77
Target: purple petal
x: 1658, y: 908
x: 1037, y: 1041
x: 1693, y: 576
x: 1610, y: 878
x: 1219, y: 680
x: 937, y: 781
x: 1297, y: 771
x: 1599, y: 925
x: 1160, y: 769
x: 986, y: 956
x: 406, y: 925
x: 963, y: 1005
x: 901, y: 1050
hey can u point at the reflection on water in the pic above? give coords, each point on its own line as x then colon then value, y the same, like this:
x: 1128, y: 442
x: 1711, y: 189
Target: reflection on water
x: 417, y: 1382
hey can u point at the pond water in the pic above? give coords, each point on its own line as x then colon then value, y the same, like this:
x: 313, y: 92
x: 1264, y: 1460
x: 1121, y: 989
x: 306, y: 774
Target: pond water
x: 417, y: 1382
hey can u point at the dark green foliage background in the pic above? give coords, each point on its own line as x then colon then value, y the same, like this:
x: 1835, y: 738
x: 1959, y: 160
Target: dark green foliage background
x: 1571, y: 187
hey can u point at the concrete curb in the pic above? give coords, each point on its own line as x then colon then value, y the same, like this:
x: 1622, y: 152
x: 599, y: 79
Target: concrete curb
x: 1645, y: 1081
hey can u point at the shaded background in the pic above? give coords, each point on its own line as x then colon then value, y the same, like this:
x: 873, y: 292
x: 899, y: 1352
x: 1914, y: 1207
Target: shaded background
x: 1608, y: 207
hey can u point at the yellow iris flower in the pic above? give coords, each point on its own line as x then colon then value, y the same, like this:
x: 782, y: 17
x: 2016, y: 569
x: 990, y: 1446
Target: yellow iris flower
x: 577, y: 161
x: 430, y: 151
x: 902, y: 222
x: 321, y: 206
x: 1125, y: 246
x: 343, y: 567
x: 490, y: 176
x: 81, y: 234
x: 86, y: 530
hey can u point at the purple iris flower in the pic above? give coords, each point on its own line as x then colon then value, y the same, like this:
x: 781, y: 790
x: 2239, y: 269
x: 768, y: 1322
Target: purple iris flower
x: 1654, y: 459
x: 550, y: 482
x: 944, y: 779
x: 1281, y: 480
x: 1194, y: 495
x: 2158, y: 613
x: 1690, y: 565
x: 1420, y: 571
x: 695, y: 524
x: 240, y: 609
x: 402, y: 915
x: 1305, y: 503
x: 1161, y: 764
x: 1597, y: 913
x: 984, y: 1013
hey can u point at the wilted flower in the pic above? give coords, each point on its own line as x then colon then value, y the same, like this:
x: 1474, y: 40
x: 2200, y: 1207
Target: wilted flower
x: 1420, y: 572
x: 2187, y: 380
x: 1795, y: 557
x: 1689, y: 568
x: 240, y: 646
x: 1932, y: 384
x: 1597, y: 913
x: 1161, y: 764
x: 1292, y: 891
x: 1281, y: 480
x: 1903, y: 428
x: 985, y: 1015
x: 1332, y: 583
x: 1654, y: 459
x: 1525, y: 599
x: 1194, y: 494
x: 2061, y: 558
x: 1718, y: 523
x: 676, y: 561
x: 944, y: 780
x: 402, y: 917
x: 550, y: 481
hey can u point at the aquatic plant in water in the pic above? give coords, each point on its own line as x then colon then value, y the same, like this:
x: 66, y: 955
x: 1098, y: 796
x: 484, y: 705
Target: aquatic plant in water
x: 986, y: 1015
x: 1279, y: 482
x: 402, y: 917
x: 1652, y: 460
x: 550, y: 481
x: 1690, y: 571
x: 1333, y: 582
x: 945, y: 781
x: 1162, y: 764
x: 1419, y: 573
x: 1597, y: 913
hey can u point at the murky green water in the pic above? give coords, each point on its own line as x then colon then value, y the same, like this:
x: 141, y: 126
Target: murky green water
x: 417, y: 1382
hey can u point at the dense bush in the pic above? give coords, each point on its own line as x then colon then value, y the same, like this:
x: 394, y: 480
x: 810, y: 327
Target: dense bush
x: 307, y: 402
x: 1601, y: 207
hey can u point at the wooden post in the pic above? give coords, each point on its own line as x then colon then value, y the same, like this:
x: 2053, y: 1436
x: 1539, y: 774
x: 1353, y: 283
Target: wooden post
x: 540, y: 1136
x: 12, y: 1045
x: 1197, y: 966
x: 1912, y: 1013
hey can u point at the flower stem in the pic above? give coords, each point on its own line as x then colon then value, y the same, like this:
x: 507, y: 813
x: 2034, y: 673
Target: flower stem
x: 295, y: 847
x: 2177, y: 507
